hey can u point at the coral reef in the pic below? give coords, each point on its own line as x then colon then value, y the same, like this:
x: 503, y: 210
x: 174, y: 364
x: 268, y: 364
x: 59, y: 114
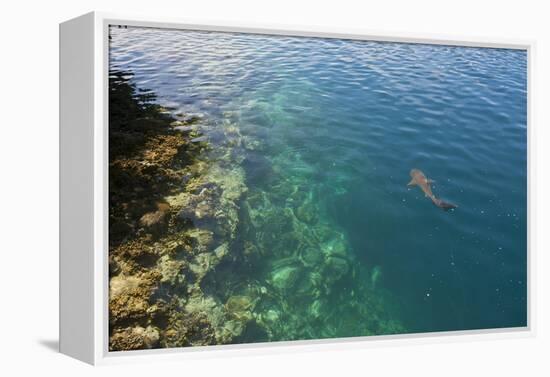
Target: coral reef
x: 199, y: 256
x: 135, y: 338
x: 172, y: 217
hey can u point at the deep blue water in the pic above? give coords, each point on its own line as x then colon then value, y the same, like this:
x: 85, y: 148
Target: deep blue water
x: 345, y: 121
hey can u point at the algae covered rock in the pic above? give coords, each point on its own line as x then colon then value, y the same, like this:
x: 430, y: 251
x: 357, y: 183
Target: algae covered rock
x: 201, y: 264
x: 201, y: 239
x: 135, y: 338
x: 272, y: 316
x: 308, y: 285
x: 239, y: 307
x: 155, y: 221
x: 311, y: 256
x: 129, y: 297
x: 307, y: 213
x: 336, y: 267
x: 170, y: 270
x: 152, y: 219
x: 335, y: 247
x: 285, y: 277
x: 231, y: 329
x: 221, y: 251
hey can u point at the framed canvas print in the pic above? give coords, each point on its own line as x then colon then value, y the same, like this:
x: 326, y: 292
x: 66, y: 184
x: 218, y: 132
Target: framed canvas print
x: 228, y: 188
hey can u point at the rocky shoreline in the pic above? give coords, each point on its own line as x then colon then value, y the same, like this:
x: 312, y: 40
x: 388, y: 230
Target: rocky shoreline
x: 171, y: 217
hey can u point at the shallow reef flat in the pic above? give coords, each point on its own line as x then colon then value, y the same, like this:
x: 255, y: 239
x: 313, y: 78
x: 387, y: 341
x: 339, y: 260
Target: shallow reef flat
x: 197, y: 257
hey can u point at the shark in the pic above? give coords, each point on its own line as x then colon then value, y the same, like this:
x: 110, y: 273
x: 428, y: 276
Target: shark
x: 418, y: 178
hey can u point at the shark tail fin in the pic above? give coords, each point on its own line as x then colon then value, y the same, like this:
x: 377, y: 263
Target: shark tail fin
x: 444, y: 205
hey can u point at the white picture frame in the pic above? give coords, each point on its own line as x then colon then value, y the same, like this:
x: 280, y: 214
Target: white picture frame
x: 84, y: 199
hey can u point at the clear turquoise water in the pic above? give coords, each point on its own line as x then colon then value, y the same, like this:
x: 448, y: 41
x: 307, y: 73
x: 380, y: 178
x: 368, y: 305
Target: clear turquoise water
x: 338, y: 125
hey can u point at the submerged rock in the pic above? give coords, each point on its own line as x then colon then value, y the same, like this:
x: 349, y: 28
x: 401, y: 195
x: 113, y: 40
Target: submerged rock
x: 135, y: 338
x: 201, y: 264
x: 221, y: 251
x: 335, y: 247
x: 201, y: 240
x: 311, y: 256
x: 123, y: 285
x: 337, y: 267
x: 213, y: 315
x: 192, y: 118
x: 151, y: 219
x: 231, y: 329
x: 239, y: 307
x: 170, y: 270
x: 272, y: 316
x: 155, y: 221
x: 285, y: 277
x: 307, y: 213
x: 176, y: 123
x: 129, y: 297
x: 307, y: 285
x: 184, y: 129
x: 199, y: 139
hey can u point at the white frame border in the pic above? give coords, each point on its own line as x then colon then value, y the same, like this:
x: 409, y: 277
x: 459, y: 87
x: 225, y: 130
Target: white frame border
x: 101, y: 283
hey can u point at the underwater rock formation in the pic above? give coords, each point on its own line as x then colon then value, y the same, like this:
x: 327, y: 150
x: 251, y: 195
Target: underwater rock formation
x: 199, y: 257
